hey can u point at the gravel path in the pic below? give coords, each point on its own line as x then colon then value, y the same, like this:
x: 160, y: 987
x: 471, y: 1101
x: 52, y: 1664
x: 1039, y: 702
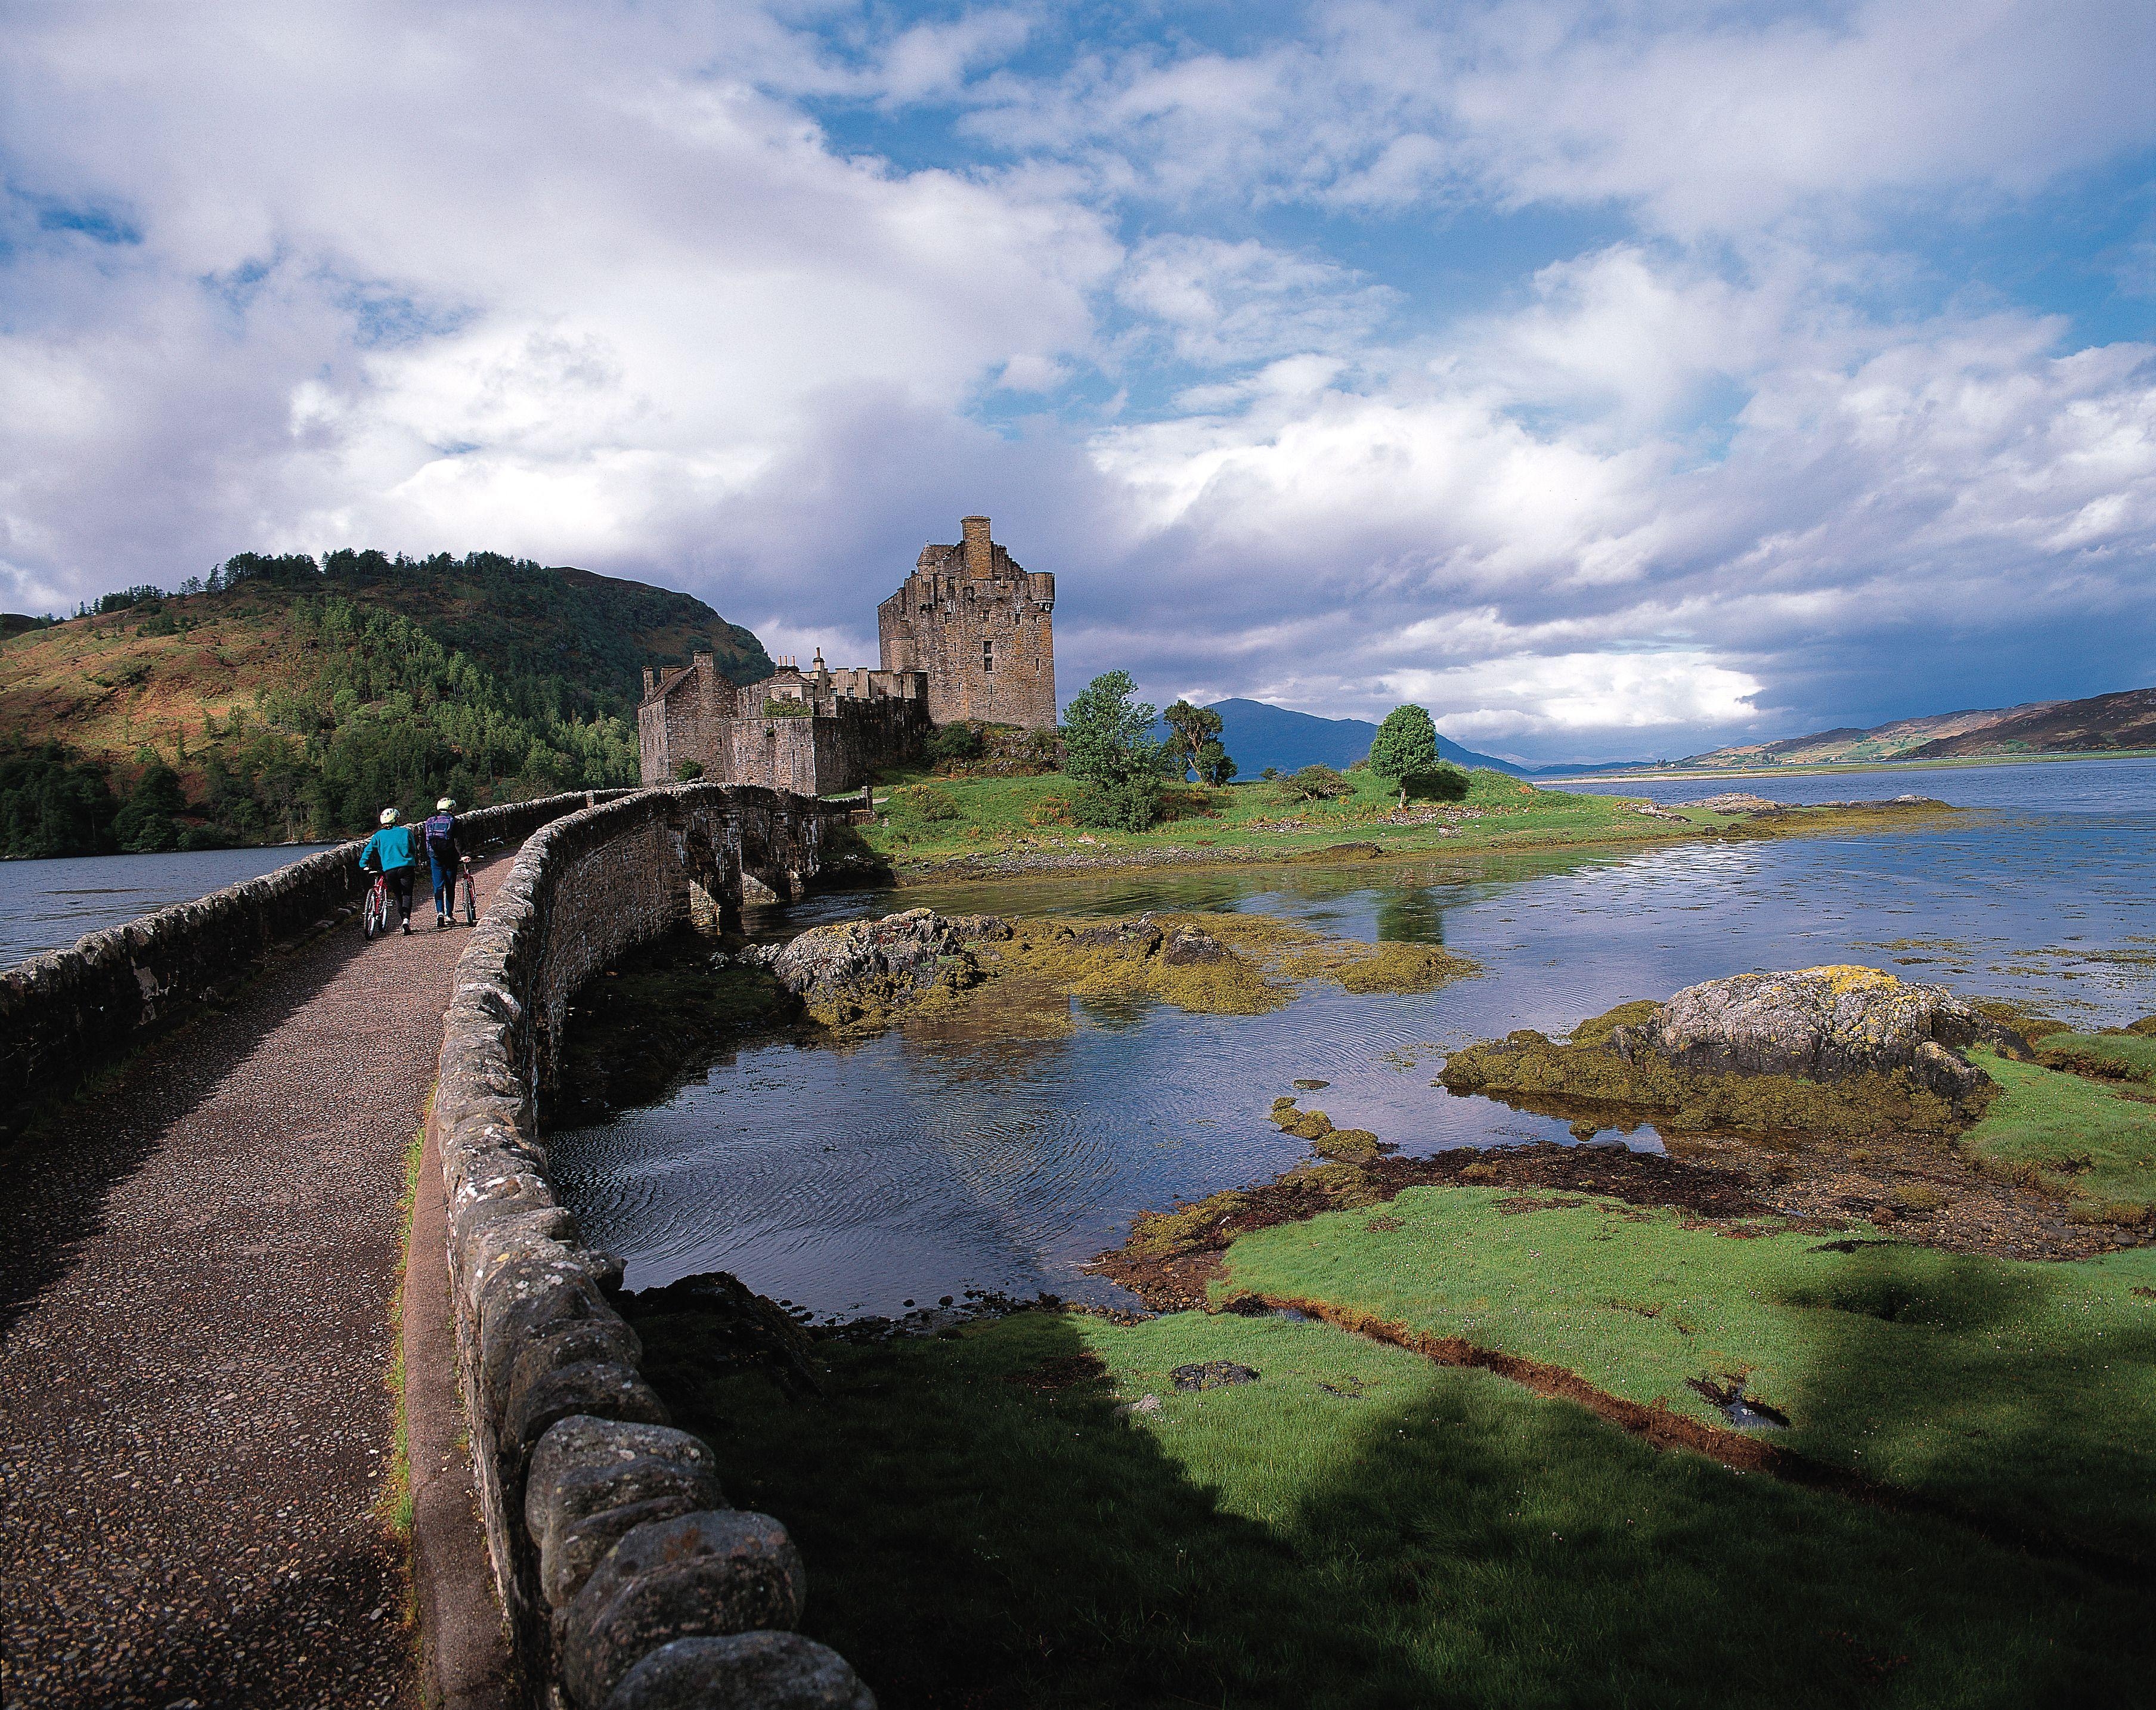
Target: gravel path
x: 197, y: 1280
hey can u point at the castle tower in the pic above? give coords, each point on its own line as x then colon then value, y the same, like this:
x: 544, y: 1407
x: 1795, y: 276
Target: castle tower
x: 977, y: 624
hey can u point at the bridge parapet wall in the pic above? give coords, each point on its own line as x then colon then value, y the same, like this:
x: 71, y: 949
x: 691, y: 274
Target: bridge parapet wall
x: 68, y: 1013
x: 626, y: 1580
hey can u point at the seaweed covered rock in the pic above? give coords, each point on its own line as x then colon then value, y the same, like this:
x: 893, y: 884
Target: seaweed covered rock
x: 716, y: 1325
x: 865, y: 970
x: 1341, y: 1145
x: 1822, y: 1023
x: 1827, y: 1051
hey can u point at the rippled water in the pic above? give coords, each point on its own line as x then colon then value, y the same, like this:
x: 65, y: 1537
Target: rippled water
x: 853, y: 1177
x: 48, y: 905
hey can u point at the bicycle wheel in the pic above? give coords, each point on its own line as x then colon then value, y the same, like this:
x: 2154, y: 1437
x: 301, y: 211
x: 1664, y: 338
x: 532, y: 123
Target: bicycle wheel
x: 370, y: 915
x: 471, y: 903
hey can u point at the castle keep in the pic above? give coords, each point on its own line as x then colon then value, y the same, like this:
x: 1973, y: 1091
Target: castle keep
x: 976, y: 623
x: 967, y: 636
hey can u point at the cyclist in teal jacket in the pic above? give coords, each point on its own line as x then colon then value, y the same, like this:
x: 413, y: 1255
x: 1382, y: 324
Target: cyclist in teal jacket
x: 391, y: 852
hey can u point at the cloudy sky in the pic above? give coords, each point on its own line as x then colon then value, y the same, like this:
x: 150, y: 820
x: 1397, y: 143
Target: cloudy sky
x: 1613, y: 378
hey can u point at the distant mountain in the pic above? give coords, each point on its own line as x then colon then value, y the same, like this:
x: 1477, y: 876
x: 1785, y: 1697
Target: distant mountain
x: 2099, y: 724
x: 1259, y: 734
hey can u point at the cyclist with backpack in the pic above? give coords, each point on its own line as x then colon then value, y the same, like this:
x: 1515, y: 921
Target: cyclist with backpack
x: 444, y: 857
x: 391, y: 851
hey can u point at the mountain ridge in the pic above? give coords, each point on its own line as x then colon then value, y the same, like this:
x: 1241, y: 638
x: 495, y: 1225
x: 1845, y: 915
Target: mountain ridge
x: 2123, y: 720
x: 1259, y: 734
x: 284, y: 699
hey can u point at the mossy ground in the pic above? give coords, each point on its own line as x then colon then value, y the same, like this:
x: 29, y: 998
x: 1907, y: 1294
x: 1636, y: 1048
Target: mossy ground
x: 1021, y: 824
x: 1360, y: 1526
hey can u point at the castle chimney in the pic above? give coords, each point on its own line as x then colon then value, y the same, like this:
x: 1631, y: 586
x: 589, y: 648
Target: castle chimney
x: 979, y: 560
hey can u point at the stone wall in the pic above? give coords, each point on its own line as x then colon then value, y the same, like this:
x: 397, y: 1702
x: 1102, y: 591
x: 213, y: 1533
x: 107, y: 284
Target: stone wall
x: 68, y: 1013
x: 628, y: 1582
x: 818, y: 755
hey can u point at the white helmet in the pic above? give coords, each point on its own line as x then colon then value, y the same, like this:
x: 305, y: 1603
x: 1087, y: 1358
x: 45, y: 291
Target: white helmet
x: 389, y: 816
x: 444, y: 805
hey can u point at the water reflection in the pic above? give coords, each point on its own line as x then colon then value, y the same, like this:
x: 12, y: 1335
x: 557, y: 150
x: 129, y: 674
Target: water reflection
x: 849, y: 1177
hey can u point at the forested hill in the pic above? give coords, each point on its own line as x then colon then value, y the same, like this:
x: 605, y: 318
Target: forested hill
x: 278, y: 698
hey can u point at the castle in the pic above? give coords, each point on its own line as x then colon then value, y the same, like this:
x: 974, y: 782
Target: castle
x: 967, y: 636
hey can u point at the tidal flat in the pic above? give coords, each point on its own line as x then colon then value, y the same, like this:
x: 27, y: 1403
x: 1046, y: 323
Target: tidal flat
x: 1439, y: 1397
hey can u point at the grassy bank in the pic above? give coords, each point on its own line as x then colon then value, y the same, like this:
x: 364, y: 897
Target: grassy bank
x: 944, y: 828
x: 1359, y: 1526
x: 2022, y: 1390
x: 2089, y: 1141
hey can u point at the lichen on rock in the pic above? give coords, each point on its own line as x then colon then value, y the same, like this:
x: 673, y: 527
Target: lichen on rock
x: 1823, y: 1023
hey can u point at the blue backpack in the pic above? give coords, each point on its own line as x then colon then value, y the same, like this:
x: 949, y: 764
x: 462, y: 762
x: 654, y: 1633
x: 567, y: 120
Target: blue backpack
x: 442, y: 837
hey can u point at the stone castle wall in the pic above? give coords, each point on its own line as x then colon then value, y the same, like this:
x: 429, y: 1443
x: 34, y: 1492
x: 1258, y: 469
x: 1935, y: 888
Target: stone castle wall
x: 724, y: 731
x: 980, y: 626
x: 67, y: 1012
x: 622, y: 1572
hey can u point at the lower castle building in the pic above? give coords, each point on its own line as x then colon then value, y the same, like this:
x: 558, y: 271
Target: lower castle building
x: 815, y: 732
x: 967, y: 636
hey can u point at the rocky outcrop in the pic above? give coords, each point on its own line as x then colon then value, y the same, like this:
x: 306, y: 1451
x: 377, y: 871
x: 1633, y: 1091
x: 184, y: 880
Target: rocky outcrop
x: 865, y: 970
x: 1821, y: 1024
x: 1843, y: 1052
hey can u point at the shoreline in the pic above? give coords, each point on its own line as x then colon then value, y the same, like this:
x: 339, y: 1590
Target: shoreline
x: 1660, y: 827
x: 1828, y: 768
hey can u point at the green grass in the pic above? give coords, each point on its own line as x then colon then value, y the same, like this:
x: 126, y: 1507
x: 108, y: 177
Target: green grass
x: 2073, y: 1136
x: 999, y: 815
x: 2019, y: 1390
x: 2116, y: 1056
x: 1359, y: 1527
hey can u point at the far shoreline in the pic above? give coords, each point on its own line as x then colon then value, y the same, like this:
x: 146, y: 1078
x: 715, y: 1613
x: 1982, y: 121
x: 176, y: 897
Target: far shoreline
x: 1829, y: 769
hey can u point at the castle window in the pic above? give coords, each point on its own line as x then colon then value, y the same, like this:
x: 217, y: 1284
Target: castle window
x: 988, y: 655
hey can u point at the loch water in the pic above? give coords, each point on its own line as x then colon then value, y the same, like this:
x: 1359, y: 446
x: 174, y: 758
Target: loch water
x: 852, y: 1177
x: 48, y: 905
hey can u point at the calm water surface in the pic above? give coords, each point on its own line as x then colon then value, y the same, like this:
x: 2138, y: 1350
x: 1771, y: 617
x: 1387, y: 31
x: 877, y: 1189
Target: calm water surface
x: 852, y: 1178
x: 48, y: 905
x: 2053, y: 786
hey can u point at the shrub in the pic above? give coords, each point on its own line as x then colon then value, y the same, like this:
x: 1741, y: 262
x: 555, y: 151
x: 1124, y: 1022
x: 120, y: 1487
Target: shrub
x: 1314, y: 784
x: 784, y: 706
x: 953, y: 743
x: 688, y: 771
x: 1131, y: 805
x: 1050, y: 810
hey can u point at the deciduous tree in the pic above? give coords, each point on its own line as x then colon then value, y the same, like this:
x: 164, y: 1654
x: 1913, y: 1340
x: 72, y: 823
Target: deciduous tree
x: 1405, y: 748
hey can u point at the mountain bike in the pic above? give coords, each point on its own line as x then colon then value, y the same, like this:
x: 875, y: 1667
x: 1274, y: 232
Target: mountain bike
x: 464, y: 892
x: 374, y: 916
